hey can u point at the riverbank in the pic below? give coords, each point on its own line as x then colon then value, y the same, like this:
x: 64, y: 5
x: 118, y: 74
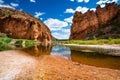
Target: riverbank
x: 17, y: 64
x: 113, y: 49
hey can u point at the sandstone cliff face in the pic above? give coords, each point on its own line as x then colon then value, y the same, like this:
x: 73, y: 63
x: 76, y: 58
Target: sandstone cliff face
x: 20, y: 25
x: 103, y: 23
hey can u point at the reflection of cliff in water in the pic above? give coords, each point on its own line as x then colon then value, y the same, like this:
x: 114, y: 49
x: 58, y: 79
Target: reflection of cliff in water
x: 86, y: 57
x: 95, y: 59
x: 39, y: 50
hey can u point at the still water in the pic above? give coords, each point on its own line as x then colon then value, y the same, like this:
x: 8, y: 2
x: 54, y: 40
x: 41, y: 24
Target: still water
x: 88, y: 58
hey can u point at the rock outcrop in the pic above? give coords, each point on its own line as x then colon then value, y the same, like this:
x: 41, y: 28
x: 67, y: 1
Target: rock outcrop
x: 103, y: 23
x: 20, y: 25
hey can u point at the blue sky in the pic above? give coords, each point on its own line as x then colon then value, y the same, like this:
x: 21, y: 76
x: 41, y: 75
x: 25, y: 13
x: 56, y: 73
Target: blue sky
x: 56, y: 14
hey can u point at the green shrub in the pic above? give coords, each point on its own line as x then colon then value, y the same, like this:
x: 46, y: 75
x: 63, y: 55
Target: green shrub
x: 20, y: 43
x: 6, y: 40
x: 8, y: 13
x: 29, y: 43
x: 4, y: 46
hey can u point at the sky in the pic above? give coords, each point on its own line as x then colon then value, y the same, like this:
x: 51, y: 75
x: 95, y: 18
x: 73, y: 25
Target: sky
x: 56, y: 14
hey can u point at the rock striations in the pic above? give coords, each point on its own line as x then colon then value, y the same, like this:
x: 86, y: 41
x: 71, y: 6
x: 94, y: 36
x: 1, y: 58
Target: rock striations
x: 20, y: 25
x: 102, y: 24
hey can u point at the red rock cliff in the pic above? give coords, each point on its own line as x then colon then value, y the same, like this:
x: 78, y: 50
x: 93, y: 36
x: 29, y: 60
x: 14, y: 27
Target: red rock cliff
x: 20, y: 25
x: 103, y: 23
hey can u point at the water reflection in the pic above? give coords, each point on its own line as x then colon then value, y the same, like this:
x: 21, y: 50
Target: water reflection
x: 95, y: 59
x: 87, y: 57
x: 61, y: 51
x: 39, y: 50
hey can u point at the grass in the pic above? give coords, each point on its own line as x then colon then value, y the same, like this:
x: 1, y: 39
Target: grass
x: 26, y: 43
x: 8, y: 43
x: 101, y: 41
x: 4, y: 46
x: 5, y: 40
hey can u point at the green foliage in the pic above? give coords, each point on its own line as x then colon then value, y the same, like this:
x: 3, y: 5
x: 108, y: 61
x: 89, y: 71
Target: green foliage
x: 19, y: 42
x: 4, y: 46
x: 94, y: 37
x: 101, y: 41
x: 25, y: 43
x: 8, y: 13
x: 29, y: 43
x: 5, y: 43
x: 6, y: 40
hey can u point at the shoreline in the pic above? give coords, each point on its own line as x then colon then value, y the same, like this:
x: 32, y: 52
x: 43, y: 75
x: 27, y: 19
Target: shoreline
x: 113, y: 50
x: 16, y: 64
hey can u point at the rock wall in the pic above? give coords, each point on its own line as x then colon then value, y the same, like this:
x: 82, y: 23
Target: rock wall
x: 20, y: 25
x: 99, y: 24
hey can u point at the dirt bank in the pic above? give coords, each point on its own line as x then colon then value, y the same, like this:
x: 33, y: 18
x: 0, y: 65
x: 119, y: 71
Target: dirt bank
x: 18, y: 65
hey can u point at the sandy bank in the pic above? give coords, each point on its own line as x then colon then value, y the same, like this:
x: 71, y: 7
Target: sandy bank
x: 16, y: 65
x: 116, y: 47
x: 113, y: 50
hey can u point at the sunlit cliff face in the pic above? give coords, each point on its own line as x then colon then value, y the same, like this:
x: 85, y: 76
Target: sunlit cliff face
x: 99, y: 23
x: 20, y: 25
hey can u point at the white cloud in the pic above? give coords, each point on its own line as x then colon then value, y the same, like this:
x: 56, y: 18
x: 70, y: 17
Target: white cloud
x: 70, y: 11
x: 79, y: 8
x: 61, y: 35
x: 8, y: 6
x: 102, y: 5
x: 38, y: 14
x: 82, y: 9
x: 14, y: 4
x: 41, y: 18
x: 57, y: 28
x: 5, y: 5
x: 93, y: 9
x: 66, y: 30
x: 55, y: 24
x: 69, y: 20
x: 102, y: 2
x: 72, y: 0
x: 32, y: 1
x: 86, y: 1
x: 116, y: 1
x: 1, y: 1
x: 80, y: 0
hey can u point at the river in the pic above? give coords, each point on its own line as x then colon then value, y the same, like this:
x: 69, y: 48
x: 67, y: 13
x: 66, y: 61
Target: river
x: 83, y: 57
